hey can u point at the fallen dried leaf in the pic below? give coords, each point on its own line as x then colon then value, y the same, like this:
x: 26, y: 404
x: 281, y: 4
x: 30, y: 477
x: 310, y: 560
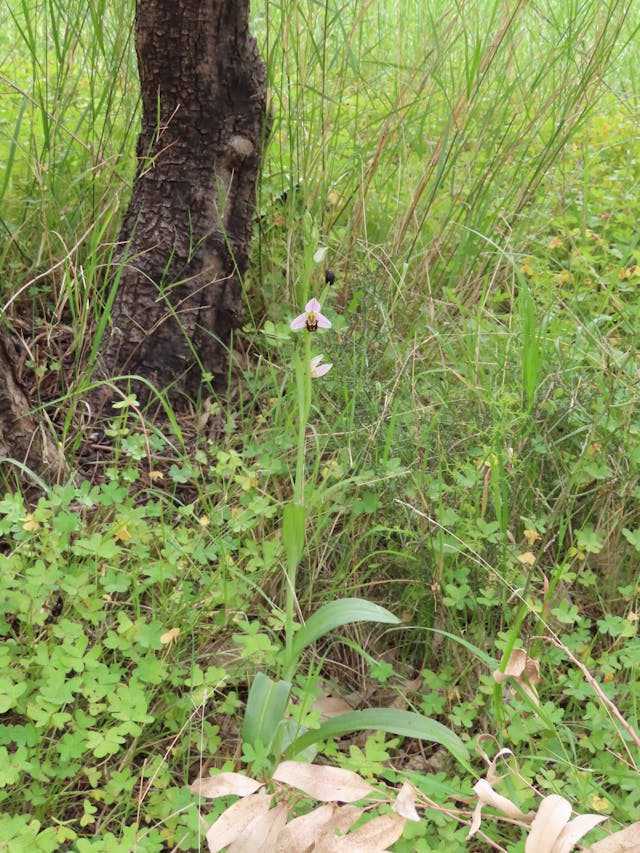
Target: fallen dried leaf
x: 302, y: 833
x: 233, y: 822
x: 488, y: 797
x: 330, y: 706
x: 224, y: 784
x: 552, y: 816
x: 574, y: 830
x: 261, y: 835
x: 327, y: 784
x: 525, y: 670
x: 625, y: 841
x: 374, y: 837
x: 405, y: 804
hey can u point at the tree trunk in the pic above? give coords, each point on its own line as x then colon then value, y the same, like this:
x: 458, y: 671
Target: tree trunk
x: 185, y: 238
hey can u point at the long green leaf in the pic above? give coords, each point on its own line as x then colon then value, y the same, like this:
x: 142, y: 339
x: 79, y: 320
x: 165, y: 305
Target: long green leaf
x: 404, y: 723
x: 334, y: 614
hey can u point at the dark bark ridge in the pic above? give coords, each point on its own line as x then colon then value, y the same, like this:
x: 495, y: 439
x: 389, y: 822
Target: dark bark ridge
x: 185, y: 237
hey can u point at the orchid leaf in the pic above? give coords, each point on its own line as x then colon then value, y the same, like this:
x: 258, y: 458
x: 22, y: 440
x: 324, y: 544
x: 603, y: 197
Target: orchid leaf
x: 392, y: 720
x: 266, y: 707
x: 333, y: 615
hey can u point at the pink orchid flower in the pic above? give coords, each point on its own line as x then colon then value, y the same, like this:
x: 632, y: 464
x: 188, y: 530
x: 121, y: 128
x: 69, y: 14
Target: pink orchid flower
x: 312, y: 318
x: 319, y: 369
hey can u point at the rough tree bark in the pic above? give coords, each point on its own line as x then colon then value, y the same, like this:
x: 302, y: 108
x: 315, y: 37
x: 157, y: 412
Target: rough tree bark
x: 185, y: 238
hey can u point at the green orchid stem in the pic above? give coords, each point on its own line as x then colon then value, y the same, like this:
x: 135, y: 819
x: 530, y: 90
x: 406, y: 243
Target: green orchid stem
x: 303, y: 383
x: 296, y: 515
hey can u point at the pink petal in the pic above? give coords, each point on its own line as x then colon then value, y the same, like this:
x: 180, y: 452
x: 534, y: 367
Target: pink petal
x: 312, y: 305
x: 299, y: 323
x: 322, y: 321
x: 319, y: 369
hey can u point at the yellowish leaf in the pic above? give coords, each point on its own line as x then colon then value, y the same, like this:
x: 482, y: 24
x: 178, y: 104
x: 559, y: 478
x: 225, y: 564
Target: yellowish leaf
x: 169, y: 636
x: 122, y: 533
x: 532, y: 536
x: 599, y: 804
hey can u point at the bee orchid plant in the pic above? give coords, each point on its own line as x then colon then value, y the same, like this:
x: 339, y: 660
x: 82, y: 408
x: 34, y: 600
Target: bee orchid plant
x: 266, y: 725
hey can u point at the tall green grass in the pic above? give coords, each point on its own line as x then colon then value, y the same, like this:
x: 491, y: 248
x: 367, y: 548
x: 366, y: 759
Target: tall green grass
x: 427, y: 131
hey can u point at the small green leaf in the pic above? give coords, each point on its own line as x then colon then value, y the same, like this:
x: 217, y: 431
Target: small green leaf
x: 391, y: 720
x: 632, y: 536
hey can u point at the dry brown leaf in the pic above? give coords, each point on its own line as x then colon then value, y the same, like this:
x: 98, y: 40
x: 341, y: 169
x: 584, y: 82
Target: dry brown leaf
x: 574, y: 830
x: 343, y: 819
x: 552, y: 816
x: 525, y: 670
x: 331, y: 706
x: 374, y: 837
x: 327, y: 784
x: 224, y: 784
x: 261, y: 835
x: 488, y: 797
x: 235, y: 820
x: 405, y: 804
x: 303, y: 833
x: 625, y: 841
x: 299, y: 835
